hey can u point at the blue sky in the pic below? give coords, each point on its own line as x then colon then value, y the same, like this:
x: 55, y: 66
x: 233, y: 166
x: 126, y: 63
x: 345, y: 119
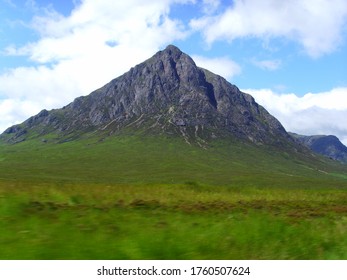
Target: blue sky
x: 290, y: 55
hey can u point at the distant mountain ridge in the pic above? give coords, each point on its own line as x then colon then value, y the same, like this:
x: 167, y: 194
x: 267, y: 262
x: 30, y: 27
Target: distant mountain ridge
x: 167, y: 93
x: 327, y: 145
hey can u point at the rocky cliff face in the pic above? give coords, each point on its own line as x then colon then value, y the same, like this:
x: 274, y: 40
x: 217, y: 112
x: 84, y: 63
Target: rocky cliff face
x: 167, y: 93
x: 326, y: 145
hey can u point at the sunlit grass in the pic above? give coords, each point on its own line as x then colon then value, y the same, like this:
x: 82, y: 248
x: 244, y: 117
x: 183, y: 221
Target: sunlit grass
x: 171, y: 222
x: 131, y: 197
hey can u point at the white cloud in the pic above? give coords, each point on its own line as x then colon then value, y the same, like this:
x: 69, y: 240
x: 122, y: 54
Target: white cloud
x: 270, y: 65
x: 315, y: 24
x: 76, y: 54
x: 15, y: 110
x: 222, y: 66
x: 94, y: 23
x: 311, y: 114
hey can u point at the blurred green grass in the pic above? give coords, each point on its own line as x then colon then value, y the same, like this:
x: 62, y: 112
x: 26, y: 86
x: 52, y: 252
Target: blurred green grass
x: 132, y: 197
x: 171, y: 222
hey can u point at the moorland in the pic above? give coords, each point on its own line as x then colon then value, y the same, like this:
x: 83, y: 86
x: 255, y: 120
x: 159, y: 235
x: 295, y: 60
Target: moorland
x: 140, y: 197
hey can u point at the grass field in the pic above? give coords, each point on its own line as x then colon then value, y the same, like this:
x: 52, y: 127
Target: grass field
x: 158, y: 198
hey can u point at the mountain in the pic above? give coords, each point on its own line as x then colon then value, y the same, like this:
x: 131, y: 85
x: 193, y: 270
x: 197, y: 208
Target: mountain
x: 166, y: 94
x: 327, y: 145
x: 164, y: 121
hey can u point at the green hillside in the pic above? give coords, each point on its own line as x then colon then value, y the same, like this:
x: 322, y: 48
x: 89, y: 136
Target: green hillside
x: 137, y: 158
x: 136, y: 196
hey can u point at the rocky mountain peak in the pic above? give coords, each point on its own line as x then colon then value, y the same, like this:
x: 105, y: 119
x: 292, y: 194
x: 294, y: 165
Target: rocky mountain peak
x: 326, y: 145
x: 172, y: 49
x: 168, y: 94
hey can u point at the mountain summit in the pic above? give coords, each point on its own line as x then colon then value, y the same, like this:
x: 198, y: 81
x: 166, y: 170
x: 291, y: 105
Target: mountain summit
x: 167, y: 93
x: 326, y: 145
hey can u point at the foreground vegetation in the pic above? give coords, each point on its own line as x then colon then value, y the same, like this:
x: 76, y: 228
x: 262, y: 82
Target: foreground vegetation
x: 171, y: 222
x: 142, y: 198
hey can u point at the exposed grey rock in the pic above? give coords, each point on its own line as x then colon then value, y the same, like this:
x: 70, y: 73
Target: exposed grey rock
x: 327, y: 145
x: 167, y: 93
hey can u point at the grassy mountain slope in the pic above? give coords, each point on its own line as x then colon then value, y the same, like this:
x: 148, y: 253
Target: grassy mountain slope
x: 136, y: 196
x: 138, y: 158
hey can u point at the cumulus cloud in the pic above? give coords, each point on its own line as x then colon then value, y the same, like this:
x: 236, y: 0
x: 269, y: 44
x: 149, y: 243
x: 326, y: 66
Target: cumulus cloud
x: 222, y: 66
x: 317, y: 25
x: 311, y: 114
x: 78, y: 53
x: 15, y: 110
